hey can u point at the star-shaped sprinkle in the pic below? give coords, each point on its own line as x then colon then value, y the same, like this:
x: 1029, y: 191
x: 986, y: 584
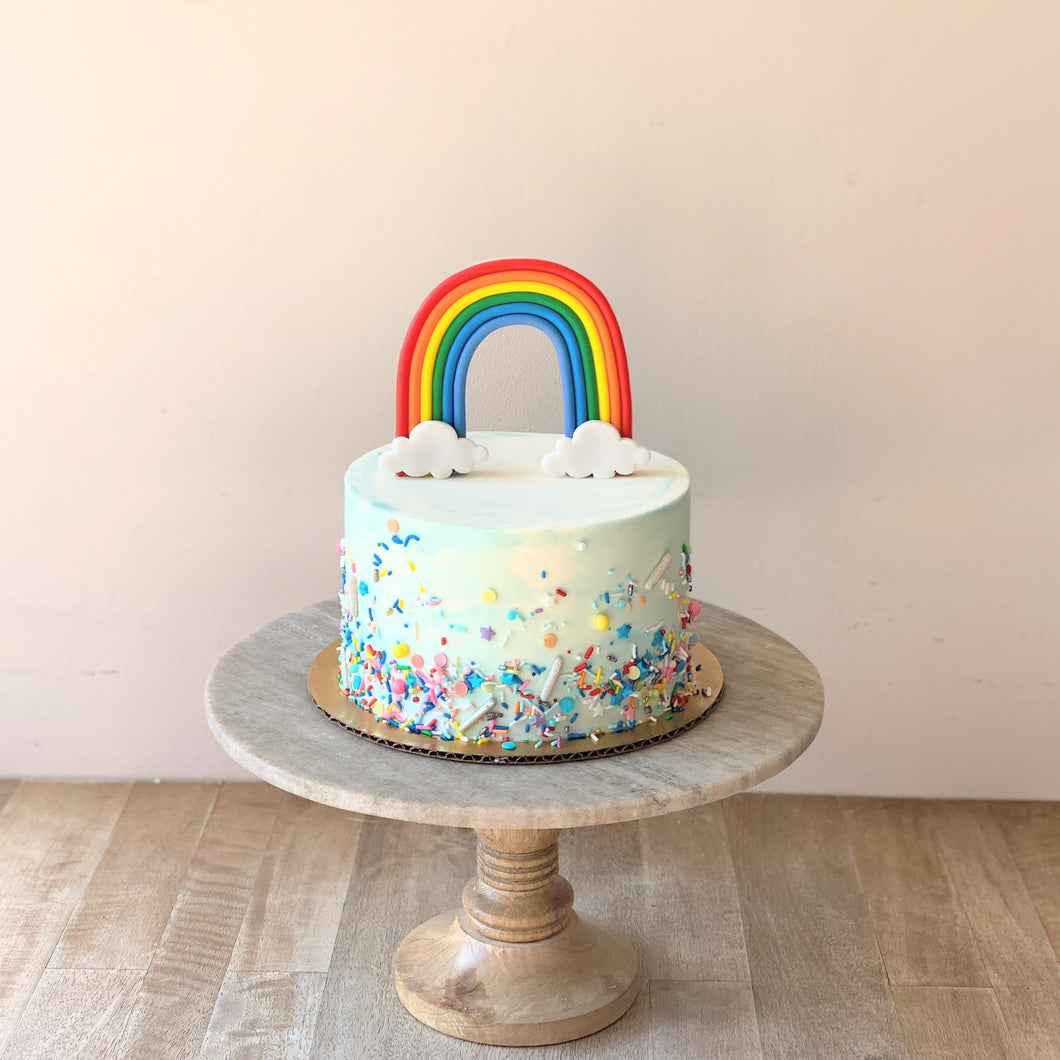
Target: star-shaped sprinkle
x: 623, y: 631
x: 486, y: 632
x: 548, y: 600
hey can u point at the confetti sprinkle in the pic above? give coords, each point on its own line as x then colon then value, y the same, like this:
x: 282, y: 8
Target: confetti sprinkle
x: 657, y: 571
x: 551, y: 676
x: 601, y: 622
x: 489, y: 596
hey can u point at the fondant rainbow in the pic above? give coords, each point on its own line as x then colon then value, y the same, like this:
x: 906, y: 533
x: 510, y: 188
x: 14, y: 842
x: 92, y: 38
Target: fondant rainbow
x: 462, y: 310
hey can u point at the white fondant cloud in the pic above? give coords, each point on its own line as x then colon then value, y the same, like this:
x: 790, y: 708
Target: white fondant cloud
x: 432, y: 448
x: 596, y: 449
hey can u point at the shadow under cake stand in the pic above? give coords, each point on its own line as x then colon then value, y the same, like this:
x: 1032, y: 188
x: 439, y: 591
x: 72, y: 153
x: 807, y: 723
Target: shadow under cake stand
x: 515, y: 965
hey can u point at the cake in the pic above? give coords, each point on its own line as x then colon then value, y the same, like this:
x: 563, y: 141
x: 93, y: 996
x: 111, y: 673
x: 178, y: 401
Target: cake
x: 516, y: 596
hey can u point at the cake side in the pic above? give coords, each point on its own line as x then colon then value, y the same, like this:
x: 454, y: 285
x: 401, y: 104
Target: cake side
x: 518, y: 609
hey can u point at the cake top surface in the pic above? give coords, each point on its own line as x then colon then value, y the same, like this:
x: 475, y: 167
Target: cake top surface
x: 511, y: 491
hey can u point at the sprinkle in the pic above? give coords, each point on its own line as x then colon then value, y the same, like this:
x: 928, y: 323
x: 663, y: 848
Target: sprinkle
x: 566, y: 705
x: 550, y: 677
x: 441, y: 659
x: 489, y: 596
x: 508, y: 745
x: 580, y: 546
x: 549, y: 640
x: 594, y: 737
x: 472, y: 718
x: 392, y: 525
x: 544, y: 574
x: 486, y: 632
x: 588, y: 653
x: 601, y: 622
x: 657, y: 571
x: 561, y: 592
x: 400, y: 650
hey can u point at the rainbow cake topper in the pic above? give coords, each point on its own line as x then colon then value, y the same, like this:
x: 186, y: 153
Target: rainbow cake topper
x: 454, y: 319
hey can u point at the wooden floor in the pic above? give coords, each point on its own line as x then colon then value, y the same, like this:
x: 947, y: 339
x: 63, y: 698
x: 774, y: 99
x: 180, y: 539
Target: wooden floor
x: 182, y: 920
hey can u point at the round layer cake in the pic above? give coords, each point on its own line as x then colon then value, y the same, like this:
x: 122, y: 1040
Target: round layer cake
x: 514, y: 608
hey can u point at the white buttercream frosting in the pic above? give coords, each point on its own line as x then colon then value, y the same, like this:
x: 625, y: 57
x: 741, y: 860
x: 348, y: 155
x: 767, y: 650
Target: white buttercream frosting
x: 549, y: 607
x: 510, y: 490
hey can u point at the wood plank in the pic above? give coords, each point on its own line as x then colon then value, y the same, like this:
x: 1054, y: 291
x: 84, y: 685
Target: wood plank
x: 819, y: 980
x: 264, y: 1015
x: 1032, y: 832
x: 611, y: 896
x: 1016, y: 952
x: 127, y: 902
x: 402, y: 875
x: 921, y: 926
x: 75, y: 1013
x: 940, y: 1023
x: 629, y: 1036
x: 173, y: 1008
x: 703, y: 1019
x: 643, y: 877
x: 52, y: 835
x: 300, y: 891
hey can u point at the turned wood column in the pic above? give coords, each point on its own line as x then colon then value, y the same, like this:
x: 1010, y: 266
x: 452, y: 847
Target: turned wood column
x: 518, y: 894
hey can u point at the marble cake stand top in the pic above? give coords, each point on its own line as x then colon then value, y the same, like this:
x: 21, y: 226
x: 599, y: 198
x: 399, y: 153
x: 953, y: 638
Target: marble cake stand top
x: 260, y: 711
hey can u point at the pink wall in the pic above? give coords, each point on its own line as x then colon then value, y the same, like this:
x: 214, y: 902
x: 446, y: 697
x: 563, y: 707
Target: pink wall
x: 831, y: 232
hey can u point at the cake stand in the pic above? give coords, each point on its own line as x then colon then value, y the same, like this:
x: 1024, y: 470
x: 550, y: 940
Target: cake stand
x: 515, y: 965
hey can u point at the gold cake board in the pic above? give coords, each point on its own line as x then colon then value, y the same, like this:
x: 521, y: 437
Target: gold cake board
x: 323, y: 682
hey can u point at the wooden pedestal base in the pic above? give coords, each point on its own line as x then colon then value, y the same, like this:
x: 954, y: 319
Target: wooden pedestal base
x: 516, y: 965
